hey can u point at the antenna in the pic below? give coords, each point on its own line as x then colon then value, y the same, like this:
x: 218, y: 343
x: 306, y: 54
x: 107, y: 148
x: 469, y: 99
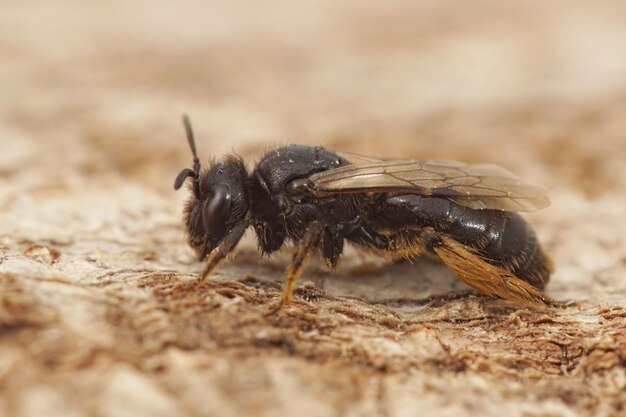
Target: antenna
x: 192, y: 144
x: 185, y: 173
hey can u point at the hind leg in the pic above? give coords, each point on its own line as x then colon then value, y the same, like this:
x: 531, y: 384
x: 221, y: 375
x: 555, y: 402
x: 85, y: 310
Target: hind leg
x: 476, y: 272
x: 471, y: 268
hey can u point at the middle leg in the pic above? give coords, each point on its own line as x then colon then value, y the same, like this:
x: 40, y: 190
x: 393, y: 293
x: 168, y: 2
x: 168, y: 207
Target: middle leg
x: 293, y: 271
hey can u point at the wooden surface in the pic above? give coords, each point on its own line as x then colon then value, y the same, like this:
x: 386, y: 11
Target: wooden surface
x: 99, y: 313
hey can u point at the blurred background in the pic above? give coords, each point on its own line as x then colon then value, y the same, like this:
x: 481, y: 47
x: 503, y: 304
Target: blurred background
x: 102, y: 86
x: 91, y: 139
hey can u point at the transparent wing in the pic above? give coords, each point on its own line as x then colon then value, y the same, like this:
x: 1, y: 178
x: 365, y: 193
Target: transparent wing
x: 474, y: 186
x: 356, y: 159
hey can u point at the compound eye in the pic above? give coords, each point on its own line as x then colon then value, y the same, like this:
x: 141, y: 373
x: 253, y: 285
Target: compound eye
x: 216, y: 211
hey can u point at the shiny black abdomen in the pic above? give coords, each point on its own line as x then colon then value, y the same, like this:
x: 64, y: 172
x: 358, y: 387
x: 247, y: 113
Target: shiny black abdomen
x: 502, y: 238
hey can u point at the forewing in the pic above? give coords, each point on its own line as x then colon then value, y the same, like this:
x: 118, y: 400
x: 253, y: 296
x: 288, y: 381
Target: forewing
x: 473, y: 186
x: 356, y: 159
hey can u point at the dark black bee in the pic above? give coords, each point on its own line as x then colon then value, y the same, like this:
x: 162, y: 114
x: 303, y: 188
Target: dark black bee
x: 318, y: 199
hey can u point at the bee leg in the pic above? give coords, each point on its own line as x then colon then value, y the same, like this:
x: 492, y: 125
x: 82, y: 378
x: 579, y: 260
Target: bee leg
x: 476, y: 272
x: 332, y: 246
x: 354, y: 230
x: 367, y: 236
x: 230, y: 241
x: 300, y: 258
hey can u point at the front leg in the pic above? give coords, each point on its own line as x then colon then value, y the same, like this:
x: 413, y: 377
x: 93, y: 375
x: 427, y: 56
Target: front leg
x: 228, y: 245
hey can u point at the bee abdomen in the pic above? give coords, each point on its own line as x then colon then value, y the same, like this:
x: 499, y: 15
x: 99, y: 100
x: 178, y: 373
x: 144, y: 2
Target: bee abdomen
x: 501, y: 238
x: 513, y: 245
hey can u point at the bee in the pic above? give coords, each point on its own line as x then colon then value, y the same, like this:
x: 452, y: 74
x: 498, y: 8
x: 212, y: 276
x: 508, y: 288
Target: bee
x: 464, y: 215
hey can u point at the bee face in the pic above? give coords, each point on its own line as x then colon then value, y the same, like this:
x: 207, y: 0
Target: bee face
x: 217, y: 203
x: 218, y: 200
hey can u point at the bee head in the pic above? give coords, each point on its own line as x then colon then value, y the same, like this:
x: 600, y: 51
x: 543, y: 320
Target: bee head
x: 218, y: 199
